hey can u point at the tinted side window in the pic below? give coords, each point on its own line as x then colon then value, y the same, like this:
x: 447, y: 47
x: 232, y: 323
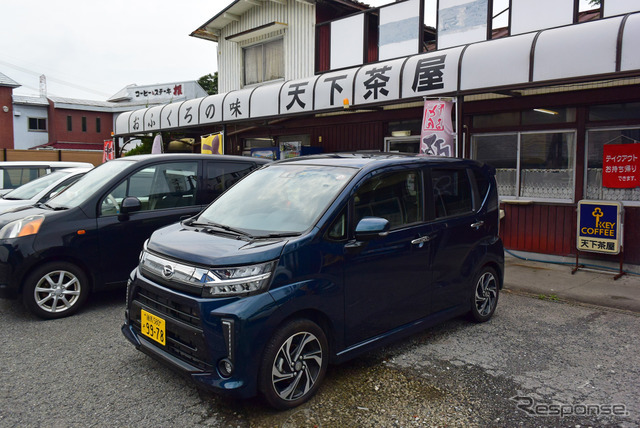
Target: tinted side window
x: 396, y: 196
x: 157, y: 187
x: 338, y: 229
x: 222, y: 175
x: 452, y: 194
x: 16, y: 177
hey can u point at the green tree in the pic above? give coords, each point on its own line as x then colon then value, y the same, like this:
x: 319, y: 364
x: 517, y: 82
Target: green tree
x: 209, y: 83
x: 144, y: 148
x: 594, y: 2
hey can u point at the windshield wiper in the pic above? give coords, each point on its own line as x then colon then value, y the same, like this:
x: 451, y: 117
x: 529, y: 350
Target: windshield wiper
x: 230, y: 229
x: 51, y: 207
x: 207, y: 227
x: 279, y: 235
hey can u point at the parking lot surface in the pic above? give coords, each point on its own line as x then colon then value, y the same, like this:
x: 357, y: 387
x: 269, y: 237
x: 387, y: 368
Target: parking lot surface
x: 533, y: 358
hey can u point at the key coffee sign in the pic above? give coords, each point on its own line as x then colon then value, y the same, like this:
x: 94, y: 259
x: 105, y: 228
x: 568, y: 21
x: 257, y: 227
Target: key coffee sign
x: 599, y: 227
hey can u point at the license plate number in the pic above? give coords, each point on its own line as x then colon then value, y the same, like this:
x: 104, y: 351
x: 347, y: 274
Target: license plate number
x: 153, y: 327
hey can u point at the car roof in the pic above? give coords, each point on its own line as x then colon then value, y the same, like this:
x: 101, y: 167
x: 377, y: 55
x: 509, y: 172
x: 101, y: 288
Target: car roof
x: 373, y: 160
x: 184, y: 156
x: 75, y: 170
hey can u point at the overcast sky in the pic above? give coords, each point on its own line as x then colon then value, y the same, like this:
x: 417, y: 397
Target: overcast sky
x: 91, y: 49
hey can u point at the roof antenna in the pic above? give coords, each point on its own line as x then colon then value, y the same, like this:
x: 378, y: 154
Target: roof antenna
x: 43, y: 86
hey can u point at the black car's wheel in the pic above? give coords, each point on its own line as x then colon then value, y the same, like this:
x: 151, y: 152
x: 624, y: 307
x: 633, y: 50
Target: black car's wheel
x: 55, y: 290
x: 294, y: 363
x: 485, y: 294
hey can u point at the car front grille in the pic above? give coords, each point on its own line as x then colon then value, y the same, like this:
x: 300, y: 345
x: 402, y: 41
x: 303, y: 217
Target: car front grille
x: 185, y: 337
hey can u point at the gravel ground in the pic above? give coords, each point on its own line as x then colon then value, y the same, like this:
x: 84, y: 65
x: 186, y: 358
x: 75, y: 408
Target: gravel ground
x: 81, y: 372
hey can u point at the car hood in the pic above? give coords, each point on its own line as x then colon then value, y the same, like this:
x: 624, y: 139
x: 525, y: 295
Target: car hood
x: 192, y: 245
x: 11, y: 204
x: 18, y: 213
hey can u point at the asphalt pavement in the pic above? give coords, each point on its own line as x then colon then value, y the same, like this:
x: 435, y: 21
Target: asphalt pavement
x: 554, y: 280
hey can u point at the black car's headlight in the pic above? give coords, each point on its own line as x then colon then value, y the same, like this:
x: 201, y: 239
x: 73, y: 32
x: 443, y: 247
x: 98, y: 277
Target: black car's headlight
x: 23, y: 227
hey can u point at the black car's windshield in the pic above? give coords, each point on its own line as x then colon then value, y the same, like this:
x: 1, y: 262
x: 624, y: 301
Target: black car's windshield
x: 32, y: 188
x: 79, y: 191
x: 278, y: 199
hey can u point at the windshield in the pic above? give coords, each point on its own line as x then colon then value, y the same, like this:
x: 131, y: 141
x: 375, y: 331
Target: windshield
x: 79, y: 191
x: 32, y: 188
x: 278, y: 199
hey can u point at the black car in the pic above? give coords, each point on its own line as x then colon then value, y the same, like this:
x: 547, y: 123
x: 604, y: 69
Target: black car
x: 89, y: 237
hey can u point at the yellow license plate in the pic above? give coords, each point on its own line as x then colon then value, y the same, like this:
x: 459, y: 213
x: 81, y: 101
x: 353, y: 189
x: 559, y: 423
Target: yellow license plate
x: 153, y: 327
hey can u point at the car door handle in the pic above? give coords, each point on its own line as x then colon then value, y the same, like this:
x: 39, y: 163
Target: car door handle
x: 422, y: 240
x: 478, y: 224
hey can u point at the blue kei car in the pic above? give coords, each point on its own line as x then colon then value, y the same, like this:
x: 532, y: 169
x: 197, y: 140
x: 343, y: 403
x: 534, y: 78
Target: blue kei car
x: 316, y: 260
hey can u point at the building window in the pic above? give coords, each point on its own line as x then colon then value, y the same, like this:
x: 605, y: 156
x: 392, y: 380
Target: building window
x: 624, y: 111
x: 98, y: 125
x: 596, y: 140
x: 69, y: 124
x: 37, y: 124
x: 259, y: 147
x: 263, y: 62
x: 84, y: 124
x: 531, y: 165
x: 534, y: 116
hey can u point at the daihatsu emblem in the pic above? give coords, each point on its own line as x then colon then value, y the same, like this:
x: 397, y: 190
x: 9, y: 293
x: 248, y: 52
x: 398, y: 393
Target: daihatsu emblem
x: 167, y: 271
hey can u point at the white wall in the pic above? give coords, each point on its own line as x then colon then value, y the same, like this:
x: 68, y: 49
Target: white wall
x: 299, y: 41
x: 22, y: 137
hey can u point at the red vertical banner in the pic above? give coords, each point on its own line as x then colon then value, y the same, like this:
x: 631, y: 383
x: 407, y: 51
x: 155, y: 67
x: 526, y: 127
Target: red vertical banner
x: 109, y: 152
x: 437, y: 136
x: 621, y: 166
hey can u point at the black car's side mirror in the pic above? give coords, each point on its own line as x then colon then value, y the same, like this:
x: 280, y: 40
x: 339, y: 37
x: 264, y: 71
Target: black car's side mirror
x: 129, y: 205
x: 371, y: 228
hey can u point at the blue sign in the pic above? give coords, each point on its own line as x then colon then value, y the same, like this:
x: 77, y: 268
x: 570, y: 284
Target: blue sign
x: 599, y: 226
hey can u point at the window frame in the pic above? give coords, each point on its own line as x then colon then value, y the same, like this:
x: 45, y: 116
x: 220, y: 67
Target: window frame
x: 586, y: 160
x: 38, y: 122
x: 262, y: 44
x: 518, y: 185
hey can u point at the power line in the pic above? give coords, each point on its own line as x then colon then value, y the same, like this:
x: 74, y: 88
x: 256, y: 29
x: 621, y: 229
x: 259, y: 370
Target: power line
x: 53, y: 79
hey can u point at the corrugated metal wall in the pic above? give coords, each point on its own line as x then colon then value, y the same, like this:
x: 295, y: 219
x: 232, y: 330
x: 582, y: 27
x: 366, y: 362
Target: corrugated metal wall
x: 299, y: 41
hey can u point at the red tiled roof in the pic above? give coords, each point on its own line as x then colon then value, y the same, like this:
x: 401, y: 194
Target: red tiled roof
x: 64, y: 145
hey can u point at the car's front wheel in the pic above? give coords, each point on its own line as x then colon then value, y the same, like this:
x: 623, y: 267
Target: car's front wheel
x: 485, y: 294
x: 55, y: 290
x: 294, y: 363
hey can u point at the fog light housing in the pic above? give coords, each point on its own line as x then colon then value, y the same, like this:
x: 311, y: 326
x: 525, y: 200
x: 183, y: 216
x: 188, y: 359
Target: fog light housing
x: 225, y: 367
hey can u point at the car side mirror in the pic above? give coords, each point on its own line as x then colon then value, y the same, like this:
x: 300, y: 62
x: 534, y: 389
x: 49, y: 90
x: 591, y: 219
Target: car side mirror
x: 371, y: 228
x: 130, y: 205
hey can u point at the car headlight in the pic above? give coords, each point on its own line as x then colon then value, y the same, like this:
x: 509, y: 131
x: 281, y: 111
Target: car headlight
x: 237, y: 281
x: 23, y: 227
